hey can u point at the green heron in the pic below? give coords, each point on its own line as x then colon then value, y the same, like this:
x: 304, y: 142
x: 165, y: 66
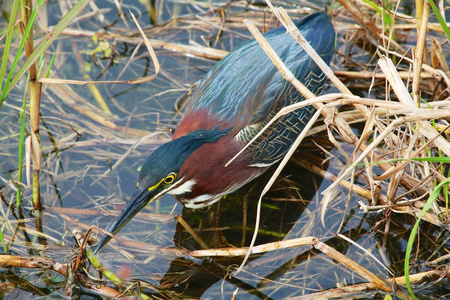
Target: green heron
x: 228, y: 108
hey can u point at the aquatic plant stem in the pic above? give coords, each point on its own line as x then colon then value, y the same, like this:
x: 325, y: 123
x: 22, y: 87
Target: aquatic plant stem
x: 35, y: 101
x: 420, y: 52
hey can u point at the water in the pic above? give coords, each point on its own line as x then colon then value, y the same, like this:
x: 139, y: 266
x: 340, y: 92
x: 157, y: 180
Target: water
x: 87, y: 173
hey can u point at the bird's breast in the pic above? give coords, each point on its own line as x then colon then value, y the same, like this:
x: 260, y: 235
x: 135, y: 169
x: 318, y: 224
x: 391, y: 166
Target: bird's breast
x: 206, y: 176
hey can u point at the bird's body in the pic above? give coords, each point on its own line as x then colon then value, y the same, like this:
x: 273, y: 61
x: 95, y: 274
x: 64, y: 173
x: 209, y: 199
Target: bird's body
x: 225, y: 98
x: 230, y: 105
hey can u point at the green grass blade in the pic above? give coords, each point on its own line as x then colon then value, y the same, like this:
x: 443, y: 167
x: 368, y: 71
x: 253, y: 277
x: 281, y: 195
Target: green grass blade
x: 52, y: 60
x: 3, y: 241
x: 386, y: 16
x: 43, y: 46
x: 443, y: 159
x: 411, y: 239
x: 9, y: 37
x: 440, y: 18
x: 18, y: 54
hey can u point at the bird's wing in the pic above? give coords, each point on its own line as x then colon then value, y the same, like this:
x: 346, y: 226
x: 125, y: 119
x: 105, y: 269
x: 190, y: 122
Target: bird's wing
x: 246, y: 90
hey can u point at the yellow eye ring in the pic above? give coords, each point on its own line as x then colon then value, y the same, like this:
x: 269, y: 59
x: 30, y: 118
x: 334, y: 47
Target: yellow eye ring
x: 170, y: 178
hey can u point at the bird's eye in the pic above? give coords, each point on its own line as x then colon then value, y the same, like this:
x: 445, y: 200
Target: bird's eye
x: 170, y: 178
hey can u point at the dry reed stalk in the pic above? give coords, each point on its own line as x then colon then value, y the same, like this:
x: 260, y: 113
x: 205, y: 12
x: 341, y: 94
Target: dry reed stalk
x: 130, y: 81
x: 35, y: 102
x: 372, y: 75
x: 402, y: 93
x: 365, y: 193
x: 439, y: 75
x: 419, y: 53
x: 92, y: 87
x: 65, y: 93
x: 438, y: 58
x: 163, y: 218
x: 313, y: 241
x: 198, y: 51
x: 39, y: 262
x: 376, y: 36
x: 33, y: 262
x: 362, y: 109
x: 349, y: 291
x: 191, y: 232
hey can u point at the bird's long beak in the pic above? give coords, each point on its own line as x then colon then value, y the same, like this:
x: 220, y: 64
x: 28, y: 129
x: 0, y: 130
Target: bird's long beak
x: 140, y: 198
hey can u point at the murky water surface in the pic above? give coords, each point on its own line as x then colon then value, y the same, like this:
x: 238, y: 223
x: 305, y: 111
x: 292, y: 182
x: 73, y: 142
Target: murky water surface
x: 91, y: 160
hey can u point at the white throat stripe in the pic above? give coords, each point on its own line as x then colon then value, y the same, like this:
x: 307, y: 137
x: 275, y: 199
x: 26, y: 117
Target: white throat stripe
x: 184, y: 188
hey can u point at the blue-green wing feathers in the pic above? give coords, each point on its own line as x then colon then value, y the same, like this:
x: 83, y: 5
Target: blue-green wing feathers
x: 246, y: 90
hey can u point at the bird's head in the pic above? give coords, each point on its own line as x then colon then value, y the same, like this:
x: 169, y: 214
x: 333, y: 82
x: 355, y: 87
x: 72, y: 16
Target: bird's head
x: 160, y: 174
